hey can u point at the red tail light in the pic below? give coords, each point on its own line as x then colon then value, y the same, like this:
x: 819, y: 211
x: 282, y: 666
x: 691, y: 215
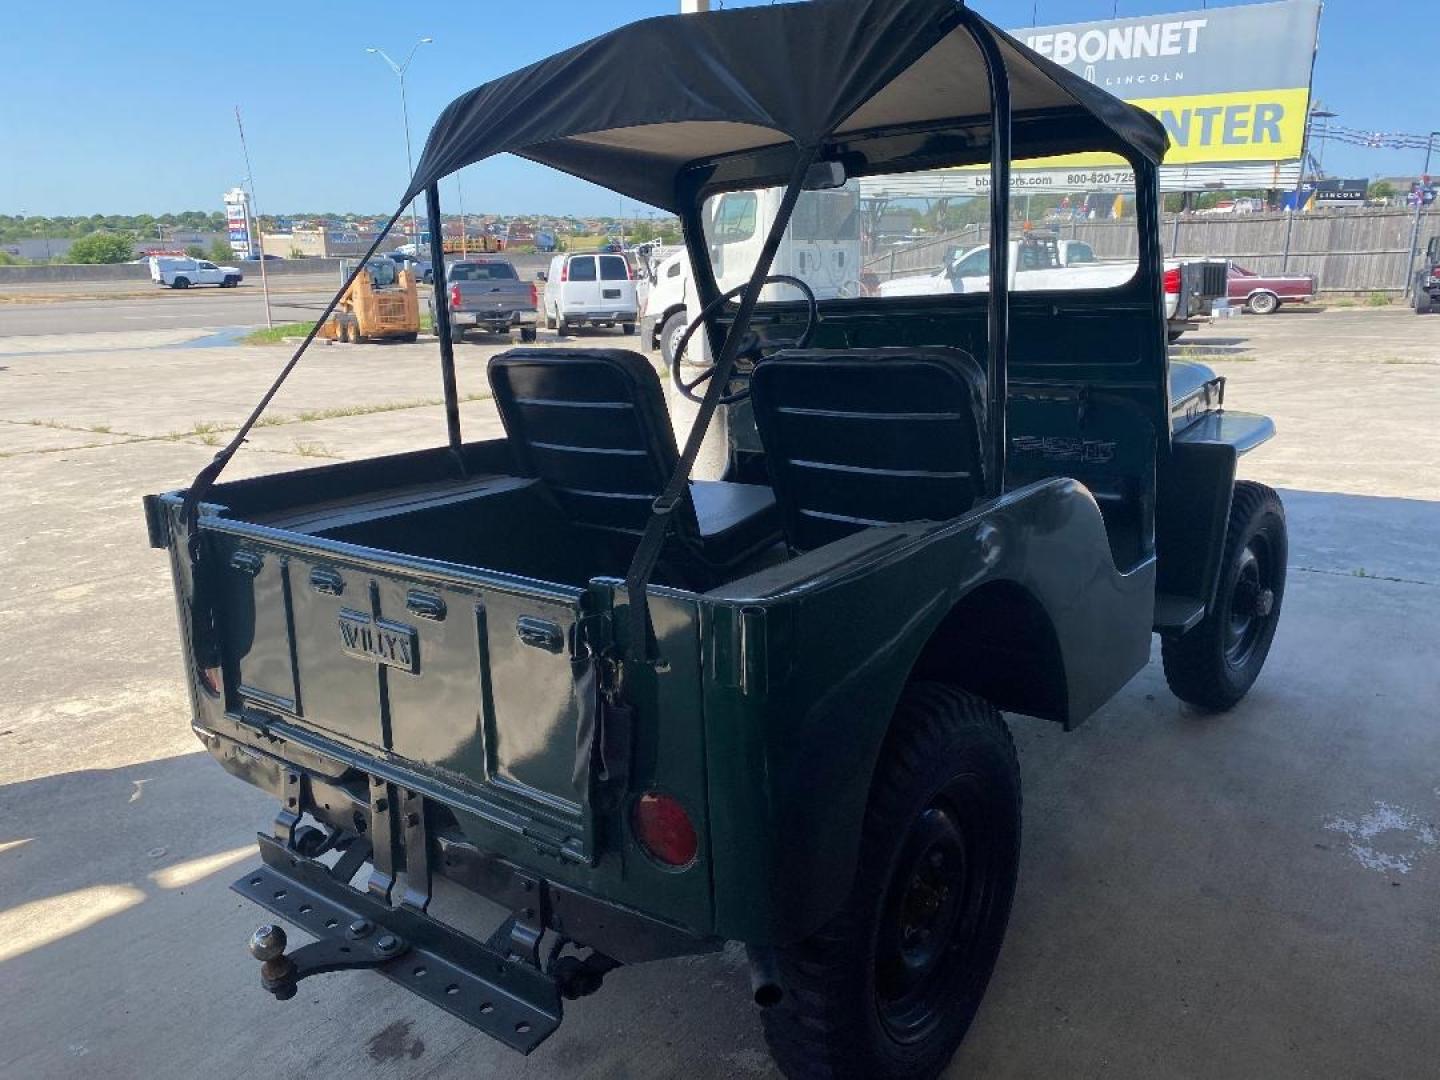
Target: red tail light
x: 534, y: 295
x: 664, y: 829
x: 565, y: 270
x: 454, y: 296
x: 1172, y: 281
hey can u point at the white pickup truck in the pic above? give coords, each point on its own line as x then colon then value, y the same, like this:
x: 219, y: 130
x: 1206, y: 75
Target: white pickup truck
x: 181, y: 273
x: 1043, y: 262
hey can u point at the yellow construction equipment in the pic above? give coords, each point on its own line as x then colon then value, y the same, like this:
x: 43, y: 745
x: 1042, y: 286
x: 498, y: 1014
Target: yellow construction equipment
x: 380, y: 305
x: 473, y: 245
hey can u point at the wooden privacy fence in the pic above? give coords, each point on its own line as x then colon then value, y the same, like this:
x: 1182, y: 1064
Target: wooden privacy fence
x: 1349, y: 251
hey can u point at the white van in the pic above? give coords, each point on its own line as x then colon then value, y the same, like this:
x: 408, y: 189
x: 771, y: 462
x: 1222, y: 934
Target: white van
x: 180, y: 273
x: 594, y: 288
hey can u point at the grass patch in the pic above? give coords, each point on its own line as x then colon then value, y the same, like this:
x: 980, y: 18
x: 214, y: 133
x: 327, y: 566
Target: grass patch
x: 1343, y: 301
x: 276, y: 335
x: 1378, y: 299
x: 311, y: 449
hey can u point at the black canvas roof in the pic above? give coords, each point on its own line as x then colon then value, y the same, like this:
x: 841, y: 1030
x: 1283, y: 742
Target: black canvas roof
x: 632, y: 108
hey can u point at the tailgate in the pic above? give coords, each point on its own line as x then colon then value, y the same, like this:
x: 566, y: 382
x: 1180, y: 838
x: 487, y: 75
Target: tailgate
x: 463, y: 678
x: 494, y: 297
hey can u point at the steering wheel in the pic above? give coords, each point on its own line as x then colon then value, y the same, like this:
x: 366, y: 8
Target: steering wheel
x: 750, y: 344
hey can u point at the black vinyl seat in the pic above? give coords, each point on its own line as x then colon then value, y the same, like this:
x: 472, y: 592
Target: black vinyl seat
x: 862, y: 437
x: 592, y: 425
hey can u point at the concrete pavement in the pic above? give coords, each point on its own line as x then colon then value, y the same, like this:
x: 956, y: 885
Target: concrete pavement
x: 1236, y: 896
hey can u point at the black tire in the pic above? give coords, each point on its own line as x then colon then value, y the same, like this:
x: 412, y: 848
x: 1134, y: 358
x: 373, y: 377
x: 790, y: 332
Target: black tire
x: 1423, y: 304
x: 1173, y: 336
x: 563, y: 328
x: 1215, y: 664
x: 180, y: 283
x: 627, y: 328
x: 230, y: 282
x: 407, y: 338
x: 527, y: 334
x: 549, y: 321
x: 670, y: 332
x: 1262, y: 303
x: 889, y: 986
x: 457, y: 333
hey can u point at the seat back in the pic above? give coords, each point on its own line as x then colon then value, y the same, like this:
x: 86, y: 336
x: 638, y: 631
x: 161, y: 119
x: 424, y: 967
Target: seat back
x: 863, y: 437
x: 592, y: 425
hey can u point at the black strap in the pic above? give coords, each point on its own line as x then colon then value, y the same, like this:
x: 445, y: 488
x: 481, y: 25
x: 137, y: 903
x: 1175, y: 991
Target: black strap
x: 652, y: 541
x: 206, y: 477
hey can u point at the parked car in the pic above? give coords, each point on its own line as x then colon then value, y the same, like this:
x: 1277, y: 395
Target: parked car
x: 256, y: 258
x: 1262, y: 294
x: 487, y: 294
x: 422, y: 268
x: 590, y: 289
x: 1427, y: 281
x: 180, y: 273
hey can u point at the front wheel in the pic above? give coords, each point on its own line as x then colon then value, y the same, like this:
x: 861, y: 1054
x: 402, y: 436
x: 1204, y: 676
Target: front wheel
x: 1263, y: 303
x: 889, y: 986
x: 627, y: 328
x: 671, y: 331
x: 1215, y: 664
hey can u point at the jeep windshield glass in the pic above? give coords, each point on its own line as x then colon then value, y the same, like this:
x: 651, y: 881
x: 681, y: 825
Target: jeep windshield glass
x: 927, y: 232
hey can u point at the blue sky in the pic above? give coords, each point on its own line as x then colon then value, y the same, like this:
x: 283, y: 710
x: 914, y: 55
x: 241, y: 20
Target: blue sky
x: 127, y: 107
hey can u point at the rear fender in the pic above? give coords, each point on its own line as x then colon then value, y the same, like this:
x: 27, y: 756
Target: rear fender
x: 793, y: 739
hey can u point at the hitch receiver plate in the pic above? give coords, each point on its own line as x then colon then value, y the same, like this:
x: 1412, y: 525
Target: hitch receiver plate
x: 509, y: 1001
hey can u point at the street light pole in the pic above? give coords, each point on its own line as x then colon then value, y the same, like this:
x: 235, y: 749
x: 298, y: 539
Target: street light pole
x: 1419, y: 209
x: 399, y: 70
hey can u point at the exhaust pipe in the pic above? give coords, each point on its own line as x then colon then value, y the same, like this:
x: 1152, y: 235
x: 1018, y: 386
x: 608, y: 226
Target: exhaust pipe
x: 765, y: 987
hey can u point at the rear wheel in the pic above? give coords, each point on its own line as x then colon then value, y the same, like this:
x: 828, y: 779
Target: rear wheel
x: 1423, y: 303
x: 889, y: 986
x: 563, y: 328
x: 457, y: 333
x: 1263, y: 303
x: 180, y: 283
x: 627, y: 328
x: 549, y: 320
x: 1215, y: 664
x: 527, y: 334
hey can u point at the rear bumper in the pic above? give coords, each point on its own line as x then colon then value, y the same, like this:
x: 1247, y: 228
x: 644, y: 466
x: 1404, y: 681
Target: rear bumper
x: 504, y: 997
x: 496, y: 319
x: 597, y: 315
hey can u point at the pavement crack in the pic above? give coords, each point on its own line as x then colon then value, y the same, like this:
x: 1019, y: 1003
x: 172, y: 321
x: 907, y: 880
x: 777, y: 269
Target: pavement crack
x: 1363, y: 575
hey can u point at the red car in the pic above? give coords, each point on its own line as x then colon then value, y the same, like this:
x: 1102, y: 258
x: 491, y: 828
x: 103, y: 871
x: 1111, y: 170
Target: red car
x: 1263, y: 294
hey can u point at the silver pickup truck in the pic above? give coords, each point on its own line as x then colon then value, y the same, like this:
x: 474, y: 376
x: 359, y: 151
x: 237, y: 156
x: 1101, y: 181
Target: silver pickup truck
x: 487, y: 294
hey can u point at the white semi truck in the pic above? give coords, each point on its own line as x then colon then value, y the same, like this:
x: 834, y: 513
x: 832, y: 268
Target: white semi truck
x: 821, y: 247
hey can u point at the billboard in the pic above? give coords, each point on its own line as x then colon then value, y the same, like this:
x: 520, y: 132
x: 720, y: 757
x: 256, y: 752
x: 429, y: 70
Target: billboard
x: 237, y: 221
x: 1230, y: 84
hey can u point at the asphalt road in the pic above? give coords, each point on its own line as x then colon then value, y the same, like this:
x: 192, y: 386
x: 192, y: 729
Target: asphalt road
x: 168, y: 310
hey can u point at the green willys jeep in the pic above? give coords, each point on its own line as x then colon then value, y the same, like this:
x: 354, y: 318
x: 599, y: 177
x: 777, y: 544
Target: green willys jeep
x: 648, y: 713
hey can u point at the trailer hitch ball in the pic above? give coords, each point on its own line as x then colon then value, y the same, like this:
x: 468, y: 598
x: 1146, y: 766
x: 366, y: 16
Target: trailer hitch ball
x: 277, y: 971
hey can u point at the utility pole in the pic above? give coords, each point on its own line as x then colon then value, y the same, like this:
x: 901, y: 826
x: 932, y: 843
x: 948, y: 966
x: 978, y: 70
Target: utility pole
x: 255, y: 212
x: 399, y: 70
x: 1419, y: 210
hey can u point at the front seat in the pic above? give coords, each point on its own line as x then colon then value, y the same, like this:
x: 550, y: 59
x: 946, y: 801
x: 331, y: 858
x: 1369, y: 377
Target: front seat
x: 592, y: 425
x: 862, y: 437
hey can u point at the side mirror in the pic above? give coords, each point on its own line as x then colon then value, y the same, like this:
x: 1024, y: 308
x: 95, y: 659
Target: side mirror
x: 540, y: 275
